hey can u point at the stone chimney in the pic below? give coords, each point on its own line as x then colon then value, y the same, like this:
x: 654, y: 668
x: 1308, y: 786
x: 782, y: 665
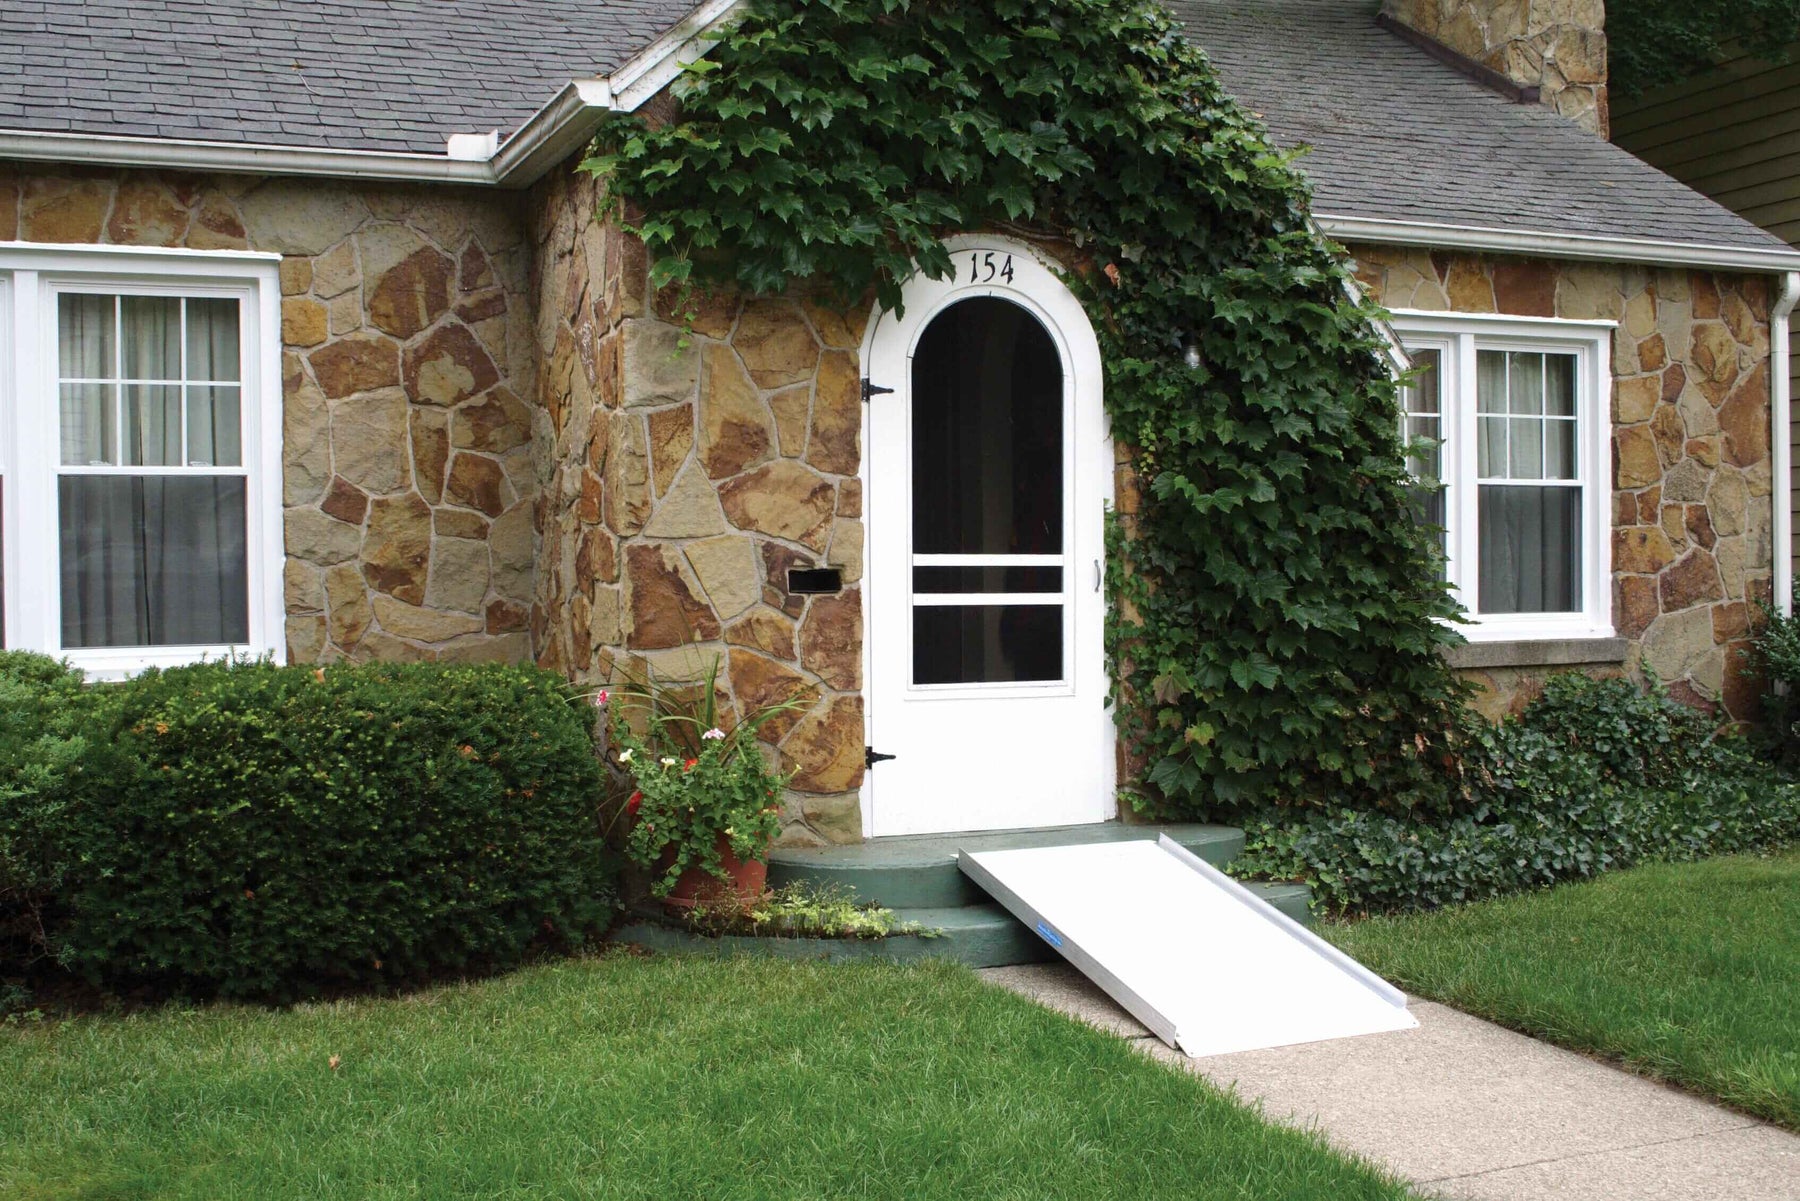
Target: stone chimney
x: 1555, y: 46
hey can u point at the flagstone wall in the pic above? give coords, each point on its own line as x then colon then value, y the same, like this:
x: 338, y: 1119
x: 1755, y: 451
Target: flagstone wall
x: 683, y: 476
x: 1692, y: 517
x: 407, y: 371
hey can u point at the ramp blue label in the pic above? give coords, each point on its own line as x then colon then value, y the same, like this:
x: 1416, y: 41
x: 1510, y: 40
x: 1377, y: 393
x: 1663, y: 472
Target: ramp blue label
x: 1050, y: 936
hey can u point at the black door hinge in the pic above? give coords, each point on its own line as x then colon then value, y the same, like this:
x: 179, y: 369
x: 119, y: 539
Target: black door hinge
x: 872, y: 390
x: 871, y: 756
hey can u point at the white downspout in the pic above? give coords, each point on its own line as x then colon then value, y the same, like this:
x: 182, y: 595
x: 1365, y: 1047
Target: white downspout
x: 1781, y: 441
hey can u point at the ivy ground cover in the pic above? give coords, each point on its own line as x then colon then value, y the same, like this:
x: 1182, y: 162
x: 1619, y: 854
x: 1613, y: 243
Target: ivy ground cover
x: 623, y: 1077
x: 1686, y: 972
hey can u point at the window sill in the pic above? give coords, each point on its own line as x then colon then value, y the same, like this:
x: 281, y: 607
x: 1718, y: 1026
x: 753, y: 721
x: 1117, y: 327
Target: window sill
x: 1543, y: 652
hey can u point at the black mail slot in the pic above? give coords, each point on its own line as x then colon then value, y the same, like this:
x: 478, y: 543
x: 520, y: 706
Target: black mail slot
x: 805, y: 581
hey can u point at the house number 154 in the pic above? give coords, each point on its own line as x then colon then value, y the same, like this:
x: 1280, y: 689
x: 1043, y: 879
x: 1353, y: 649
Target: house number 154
x: 984, y: 270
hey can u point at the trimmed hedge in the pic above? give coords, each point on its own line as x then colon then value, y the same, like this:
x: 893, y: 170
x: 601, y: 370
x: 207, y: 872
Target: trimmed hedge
x: 1594, y: 775
x: 272, y: 832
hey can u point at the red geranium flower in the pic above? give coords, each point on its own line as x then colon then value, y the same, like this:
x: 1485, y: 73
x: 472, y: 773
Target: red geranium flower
x: 635, y: 803
x: 689, y: 765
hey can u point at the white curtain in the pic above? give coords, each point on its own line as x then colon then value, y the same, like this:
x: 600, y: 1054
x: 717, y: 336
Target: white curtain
x: 151, y: 560
x: 87, y: 352
x: 1530, y: 549
x: 214, y: 411
x: 1530, y: 536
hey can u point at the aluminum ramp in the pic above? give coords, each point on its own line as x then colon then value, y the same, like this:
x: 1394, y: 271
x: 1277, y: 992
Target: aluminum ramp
x: 1207, y: 966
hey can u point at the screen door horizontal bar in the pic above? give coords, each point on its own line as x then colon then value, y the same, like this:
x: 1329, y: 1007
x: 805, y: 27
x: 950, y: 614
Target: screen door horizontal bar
x: 996, y: 599
x: 989, y: 560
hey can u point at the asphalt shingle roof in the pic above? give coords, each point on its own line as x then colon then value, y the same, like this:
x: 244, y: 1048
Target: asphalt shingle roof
x: 1395, y: 134
x: 392, y: 75
x: 1398, y: 135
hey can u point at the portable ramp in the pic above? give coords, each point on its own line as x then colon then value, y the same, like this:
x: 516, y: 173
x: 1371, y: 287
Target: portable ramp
x: 1206, y: 965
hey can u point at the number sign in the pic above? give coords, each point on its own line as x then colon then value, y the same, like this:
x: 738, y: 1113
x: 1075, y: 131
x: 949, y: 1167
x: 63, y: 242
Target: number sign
x: 985, y: 266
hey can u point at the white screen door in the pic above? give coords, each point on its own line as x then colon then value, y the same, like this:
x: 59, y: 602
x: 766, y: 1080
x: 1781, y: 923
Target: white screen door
x: 988, y: 472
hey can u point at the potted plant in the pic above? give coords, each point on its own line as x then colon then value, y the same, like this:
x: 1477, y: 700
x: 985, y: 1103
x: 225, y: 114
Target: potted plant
x: 705, y: 805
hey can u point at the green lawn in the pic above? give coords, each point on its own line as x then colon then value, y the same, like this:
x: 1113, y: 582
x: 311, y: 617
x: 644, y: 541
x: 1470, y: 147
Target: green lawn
x: 623, y: 1077
x: 1688, y: 972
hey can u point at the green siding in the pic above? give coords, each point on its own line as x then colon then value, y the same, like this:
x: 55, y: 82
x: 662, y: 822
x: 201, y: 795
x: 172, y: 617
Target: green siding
x: 1733, y: 134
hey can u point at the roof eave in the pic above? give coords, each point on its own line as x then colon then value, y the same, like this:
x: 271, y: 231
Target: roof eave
x: 557, y: 130
x: 1541, y: 244
x: 192, y: 155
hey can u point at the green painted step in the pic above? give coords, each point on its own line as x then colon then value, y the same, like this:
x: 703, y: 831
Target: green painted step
x: 983, y: 935
x: 919, y: 871
x: 1295, y: 900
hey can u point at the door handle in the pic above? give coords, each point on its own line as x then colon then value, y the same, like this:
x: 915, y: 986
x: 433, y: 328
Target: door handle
x: 1098, y: 575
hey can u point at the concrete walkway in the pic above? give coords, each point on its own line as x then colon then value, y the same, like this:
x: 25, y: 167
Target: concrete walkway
x: 1466, y: 1109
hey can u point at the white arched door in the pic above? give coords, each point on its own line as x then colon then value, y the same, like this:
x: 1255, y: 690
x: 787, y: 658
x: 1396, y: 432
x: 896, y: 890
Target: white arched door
x: 987, y: 474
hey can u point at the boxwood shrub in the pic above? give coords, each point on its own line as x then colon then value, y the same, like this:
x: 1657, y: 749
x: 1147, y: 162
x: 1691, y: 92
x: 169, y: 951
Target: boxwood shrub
x: 273, y: 832
x: 1593, y: 775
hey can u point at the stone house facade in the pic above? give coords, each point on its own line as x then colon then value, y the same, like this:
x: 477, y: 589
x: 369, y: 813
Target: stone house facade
x: 1691, y: 515
x: 492, y: 441
x: 408, y: 374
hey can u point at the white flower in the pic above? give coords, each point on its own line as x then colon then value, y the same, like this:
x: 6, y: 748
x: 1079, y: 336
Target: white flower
x: 715, y: 732
x: 669, y: 762
x: 625, y: 755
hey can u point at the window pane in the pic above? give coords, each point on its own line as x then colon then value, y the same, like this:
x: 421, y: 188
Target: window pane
x: 1428, y: 511
x: 153, y: 425
x: 1525, y: 382
x: 150, y: 332
x: 1490, y: 448
x: 987, y: 579
x: 987, y: 433
x: 1423, y: 460
x: 89, y: 416
x: 215, y: 426
x: 85, y: 329
x: 1490, y: 381
x: 152, y: 561
x: 1559, y: 385
x: 987, y: 644
x: 1421, y: 394
x: 212, y: 340
x: 1559, y: 450
x: 1527, y: 449
x: 1530, y: 549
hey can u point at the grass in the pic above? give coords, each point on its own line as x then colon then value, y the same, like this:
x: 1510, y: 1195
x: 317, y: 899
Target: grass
x: 623, y: 1077
x: 1686, y: 972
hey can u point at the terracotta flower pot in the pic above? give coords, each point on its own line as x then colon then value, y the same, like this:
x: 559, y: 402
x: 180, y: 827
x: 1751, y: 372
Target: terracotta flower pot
x: 696, y: 885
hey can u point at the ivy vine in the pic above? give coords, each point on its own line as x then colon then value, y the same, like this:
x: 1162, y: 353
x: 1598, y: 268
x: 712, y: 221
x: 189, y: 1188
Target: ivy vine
x: 1276, y: 613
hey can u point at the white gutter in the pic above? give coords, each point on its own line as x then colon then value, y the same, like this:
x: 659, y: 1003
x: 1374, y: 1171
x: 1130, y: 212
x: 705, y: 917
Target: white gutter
x: 551, y: 134
x: 1781, y: 434
x: 1559, y: 245
x: 181, y: 154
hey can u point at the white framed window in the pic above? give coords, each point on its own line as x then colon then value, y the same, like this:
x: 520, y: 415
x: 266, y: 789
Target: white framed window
x: 140, y: 455
x: 1519, y: 477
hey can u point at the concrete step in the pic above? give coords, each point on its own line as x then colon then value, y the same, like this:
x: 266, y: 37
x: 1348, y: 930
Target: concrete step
x: 920, y: 872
